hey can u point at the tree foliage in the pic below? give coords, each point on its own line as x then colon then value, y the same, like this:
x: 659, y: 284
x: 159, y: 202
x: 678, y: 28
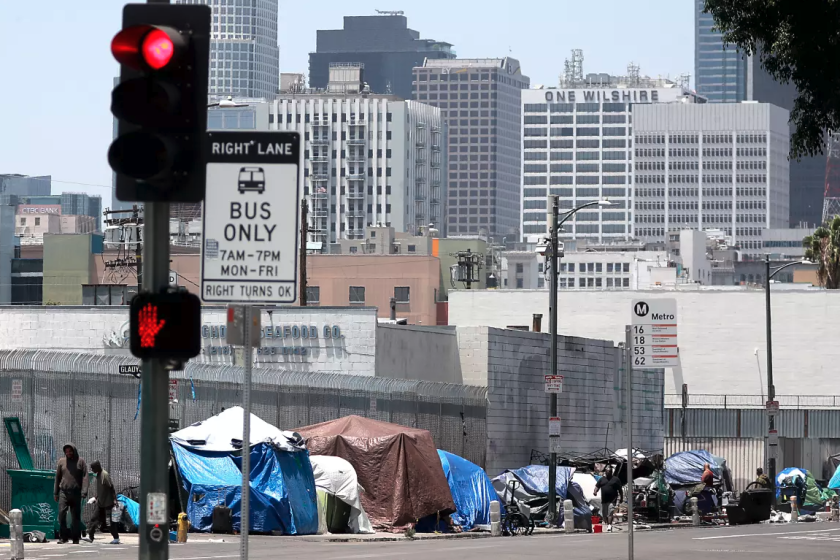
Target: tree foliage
x: 823, y: 248
x: 796, y: 42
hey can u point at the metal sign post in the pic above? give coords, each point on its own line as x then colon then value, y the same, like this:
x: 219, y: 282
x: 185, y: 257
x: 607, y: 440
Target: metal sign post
x: 628, y: 370
x: 246, y: 440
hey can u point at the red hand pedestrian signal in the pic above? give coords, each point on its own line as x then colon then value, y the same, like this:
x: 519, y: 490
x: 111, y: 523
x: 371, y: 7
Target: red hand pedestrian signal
x: 149, y: 326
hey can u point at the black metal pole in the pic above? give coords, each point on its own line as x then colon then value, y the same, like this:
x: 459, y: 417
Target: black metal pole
x: 554, y: 259
x: 771, y: 390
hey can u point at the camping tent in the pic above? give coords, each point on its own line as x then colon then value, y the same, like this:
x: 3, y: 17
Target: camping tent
x: 686, y: 468
x: 471, y: 490
x: 223, y: 432
x: 283, y: 495
x: 808, y: 491
x: 282, y: 488
x: 336, y: 476
x: 397, y: 466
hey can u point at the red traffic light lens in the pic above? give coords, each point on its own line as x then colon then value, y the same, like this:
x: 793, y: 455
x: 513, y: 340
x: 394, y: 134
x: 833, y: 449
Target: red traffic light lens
x: 144, y: 47
x: 157, y: 49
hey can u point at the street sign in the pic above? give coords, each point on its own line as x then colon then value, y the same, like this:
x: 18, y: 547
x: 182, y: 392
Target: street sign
x: 131, y: 370
x: 654, y: 332
x: 554, y: 444
x: 250, y: 224
x: 554, y: 426
x: 773, y: 438
x: 173, y: 391
x: 772, y: 408
x: 173, y: 278
x: 553, y: 383
x: 235, y: 332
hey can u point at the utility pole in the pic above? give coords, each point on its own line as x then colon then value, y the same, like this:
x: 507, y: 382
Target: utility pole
x: 131, y: 223
x: 628, y: 372
x: 304, y: 230
x: 771, y: 389
x: 553, y: 266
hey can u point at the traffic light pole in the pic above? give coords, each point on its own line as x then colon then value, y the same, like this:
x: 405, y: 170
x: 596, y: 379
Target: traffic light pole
x: 245, y: 510
x: 154, y: 408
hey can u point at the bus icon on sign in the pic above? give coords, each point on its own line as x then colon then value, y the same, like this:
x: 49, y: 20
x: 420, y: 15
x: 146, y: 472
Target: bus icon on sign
x: 251, y: 179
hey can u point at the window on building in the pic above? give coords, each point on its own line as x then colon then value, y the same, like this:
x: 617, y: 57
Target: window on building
x: 609, y: 269
x: 571, y: 267
x: 597, y: 282
x: 107, y: 294
x: 357, y: 294
x: 401, y: 294
x: 519, y: 283
x: 581, y: 282
x: 541, y: 283
x: 519, y: 268
x: 354, y: 250
x: 626, y: 267
x: 598, y: 267
x: 23, y: 221
x: 37, y: 221
x: 625, y: 282
x: 313, y: 295
x: 412, y: 248
x: 609, y: 282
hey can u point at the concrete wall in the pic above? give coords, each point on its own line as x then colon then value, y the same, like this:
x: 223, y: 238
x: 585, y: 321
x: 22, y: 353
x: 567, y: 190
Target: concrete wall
x: 513, y: 364
x: 105, y: 330
x: 719, y: 331
x: 424, y: 353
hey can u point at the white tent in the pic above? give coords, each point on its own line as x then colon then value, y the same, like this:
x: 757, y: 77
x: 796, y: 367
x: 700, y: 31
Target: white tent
x: 337, y: 476
x: 223, y: 432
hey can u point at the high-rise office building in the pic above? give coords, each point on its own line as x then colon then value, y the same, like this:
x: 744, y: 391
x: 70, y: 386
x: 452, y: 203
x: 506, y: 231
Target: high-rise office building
x: 368, y: 159
x: 244, y: 54
x: 384, y: 44
x: 719, y: 69
x: 711, y: 166
x: 723, y: 75
x: 13, y: 186
x: 480, y: 102
x: 577, y: 144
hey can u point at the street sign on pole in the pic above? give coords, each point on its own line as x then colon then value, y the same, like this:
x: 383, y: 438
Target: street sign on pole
x: 654, y: 330
x: 554, y: 426
x: 173, y: 391
x: 773, y: 438
x: 250, y: 226
x: 553, y: 383
x: 772, y: 408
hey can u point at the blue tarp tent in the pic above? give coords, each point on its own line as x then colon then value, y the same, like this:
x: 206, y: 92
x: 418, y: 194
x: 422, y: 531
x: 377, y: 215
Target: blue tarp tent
x: 283, y: 496
x: 834, y: 483
x: 534, y: 481
x: 686, y: 467
x: 471, y: 490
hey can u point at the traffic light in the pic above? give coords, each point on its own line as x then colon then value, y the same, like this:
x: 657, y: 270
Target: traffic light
x: 161, y: 102
x: 166, y: 326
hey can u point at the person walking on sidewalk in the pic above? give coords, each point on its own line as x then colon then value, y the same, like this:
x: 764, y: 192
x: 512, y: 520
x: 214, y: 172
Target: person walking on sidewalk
x: 106, y: 499
x: 71, y: 487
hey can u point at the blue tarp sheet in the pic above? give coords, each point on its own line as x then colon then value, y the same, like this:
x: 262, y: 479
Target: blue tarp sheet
x: 834, y: 483
x: 686, y: 467
x: 471, y: 490
x: 131, y: 507
x: 534, y: 479
x: 283, y: 496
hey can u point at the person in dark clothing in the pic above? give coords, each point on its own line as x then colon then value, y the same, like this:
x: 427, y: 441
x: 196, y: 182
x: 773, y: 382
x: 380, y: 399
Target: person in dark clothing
x: 106, y: 499
x: 70, y: 489
x: 610, y: 487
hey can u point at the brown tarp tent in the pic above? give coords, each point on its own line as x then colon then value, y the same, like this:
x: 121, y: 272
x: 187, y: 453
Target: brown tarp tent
x: 398, y: 467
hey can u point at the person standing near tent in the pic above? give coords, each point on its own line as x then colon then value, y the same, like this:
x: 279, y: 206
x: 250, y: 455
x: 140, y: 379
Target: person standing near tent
x: 708, y: 478
x: 106, y: 499
x: 762, y: 479
x: 610, y: 487
x: 71, y: 487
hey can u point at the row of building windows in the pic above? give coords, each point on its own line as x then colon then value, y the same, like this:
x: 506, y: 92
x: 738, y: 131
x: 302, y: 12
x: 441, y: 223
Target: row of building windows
x: 568, y: 119
x: 575, y: 180
x: 580, y: 143
x: 593, y: 268
x: 542, y: 132
x: 569, y: 283
x: 568, y: 168
x: 706, y: 178
x: 581, y: 217
x: 707, y: 139
x: 577, y: 107
x: 707, y: 218
x: 584, y: 229
x: 570, y: 192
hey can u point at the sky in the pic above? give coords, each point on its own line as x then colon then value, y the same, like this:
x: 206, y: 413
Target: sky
x: 58, y: 71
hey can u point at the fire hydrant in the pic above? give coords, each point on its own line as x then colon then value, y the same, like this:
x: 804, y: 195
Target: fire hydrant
x: 183, y: 527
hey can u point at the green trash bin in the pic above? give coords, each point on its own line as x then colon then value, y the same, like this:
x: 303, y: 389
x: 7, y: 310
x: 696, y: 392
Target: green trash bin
x: 32, y: 489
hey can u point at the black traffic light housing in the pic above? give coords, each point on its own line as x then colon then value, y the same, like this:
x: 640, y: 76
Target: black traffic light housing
x: 165, y: 326
x: 161, y: 102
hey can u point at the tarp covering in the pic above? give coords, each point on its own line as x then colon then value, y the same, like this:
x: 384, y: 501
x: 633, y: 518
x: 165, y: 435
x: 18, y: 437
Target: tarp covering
x: 336, y: 476
x: 282, y: 489
x: 223, y: 432
x: 471, y: 490
x: 686, y: 467
x: 132, y: 509
x: 398, y: 467
x: 835, y: 480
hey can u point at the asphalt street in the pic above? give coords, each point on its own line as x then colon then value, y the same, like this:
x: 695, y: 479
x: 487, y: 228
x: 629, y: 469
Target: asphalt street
x: 765, y: 542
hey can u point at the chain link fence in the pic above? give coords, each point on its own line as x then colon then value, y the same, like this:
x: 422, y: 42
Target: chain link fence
x: 798, y: 402
x: 82, y: 398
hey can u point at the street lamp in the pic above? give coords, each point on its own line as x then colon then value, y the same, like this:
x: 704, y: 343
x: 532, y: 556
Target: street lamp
x: 554, y: 256
x: 771, y: 390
